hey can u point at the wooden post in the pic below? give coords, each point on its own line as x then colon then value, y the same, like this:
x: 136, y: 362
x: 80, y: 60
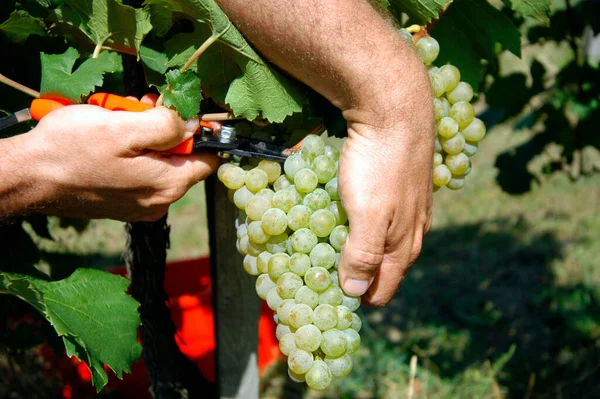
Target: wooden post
x: 236, y: 306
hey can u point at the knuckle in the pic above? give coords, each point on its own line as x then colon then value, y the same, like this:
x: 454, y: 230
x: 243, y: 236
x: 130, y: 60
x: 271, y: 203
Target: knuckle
x: 415, y: 251
x: 362, y: 261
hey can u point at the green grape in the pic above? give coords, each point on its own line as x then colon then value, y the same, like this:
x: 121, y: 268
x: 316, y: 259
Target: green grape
x: 285, y: 199
x: 439, y: 107
x: 322, y: 255
x: 438, y: 84
x: 344, y: 316
x: 282, y: 330
x: 282, y: 182
x: 234, y: 177
x: 279, y: 263
x: 338, y: 211
x: 313, y: 146
x: 428, y: 49
x: 334, y: 343
x: 273, y: 299
x: 351, y: 302
x: 294, y: 163
x: 470, y: 148
x: 463, y: 113
x: 331, y: 296
x: 263, y: 285
x: 457, y: 164
x: 271, y: 168
x: 322, y: 222
x: 242, y: 230
x: 256, y: 180
x: 325, y: 317
x: 451, y: 75
x: 267, y: 193
x: 317, y: 279
x: 257, y: 206
x: 324, y: 168
x: 332, y: 189
x: 284, y: 309
x: 338, y: 237
x: 288, y: 284
x: 256, y: 233
x: 308, y: 337
x: 299, y: 217
x: 339, y: 366
x: 305, y: 180
x: 319, y: 376
x: 300, y: 361
x: 274, y: 221
x: 454, y: 145
x: 437, y: 159
x: 287, y: 344
x: 407, y: 37
x: 437, y: 145
x: 307, y: 296
x: 356, y: 322
x: 475, y: 131
x: 332, y: 152
x: 456, y: 183
x: 441, y: 175
x: 432, y: 70
x: 222, y: 169
x: 335, y: 280
x: 303, y: 240
x: 277, y: 243
x: 296, y: 377
x: 243, y: 245
x: 353, y: 340
x: 462, y: 92
x: 299, y: 263
x: 250, y: 266
x: 447, y: 127
x: 318, y: 199
x: 300, y: 315
x: 241, y: 197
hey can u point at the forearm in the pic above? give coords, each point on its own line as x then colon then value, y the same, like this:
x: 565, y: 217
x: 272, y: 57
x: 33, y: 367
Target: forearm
x: 343, y: 49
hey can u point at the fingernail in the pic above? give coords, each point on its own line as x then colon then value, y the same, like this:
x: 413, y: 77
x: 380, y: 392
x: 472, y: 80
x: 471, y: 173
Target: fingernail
x: 192, y: 124
x: 355, y: 287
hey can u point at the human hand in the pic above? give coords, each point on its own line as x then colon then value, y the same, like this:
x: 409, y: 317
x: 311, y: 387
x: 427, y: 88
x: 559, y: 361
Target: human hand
x: 95, y: 163
x: 385, y: 184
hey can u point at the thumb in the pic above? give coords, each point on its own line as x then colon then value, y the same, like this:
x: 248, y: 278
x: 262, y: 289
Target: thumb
x: 362, y: 254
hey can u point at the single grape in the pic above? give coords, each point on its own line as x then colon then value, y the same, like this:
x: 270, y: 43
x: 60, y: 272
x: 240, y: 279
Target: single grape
x: 356, y: 322
x: 256, y: 206
x: 322, y: 222
x: 285, y: 199
x: 317, y: 279
x: 288, y: 284
x: 256, y: 233
x: 475, y: 131
x: 267, y: 193
x: 241, y: 197
x: 313, y: 146
x: 250, y: 266
x: 456, y: 183
x: 256, y: 180
x: 263, y: 285
x: 222, y: 169
x: 277, y: 244
x: 441, y: 175
x: 338, y: 237
x: 287, y: 344
x: 335, y: 280
x: 300, y: 315
x: 273, y: 299
x: 284, y: 309
x: 344, y: 316
x: 353, y: 340
x: 282, y: 182
x: 437, y: 144
x: 242, y: 230
x: 332, y: 189
x: 351, y: 302
x: 334, y: 343
x: 338, y: 211
x: 303, y: 240
x: 322, y: 255
x: 234, y: 177
x: 282, y: 330
x: 308, y: 337
x: 242, y: 245
x: 332, y: 152
x: 437, y: 159
x: 319, y: 376
x: 318, y: 199
x: 463, y: 113
x: 278, y: 264
x: 296, y: 377
x: 339, y: 366
x: 324, y: 168
x: 462, y: 92
x: 454, y: 145
x: 305, y: 180
x: 428, y: 49
x: 299, y: 217
x: 451, y: 75
x: 325, y: 317
x: 447, y: 127
x: 432, y: 70
x: 299, y: 263
x: 440, y: 108
x: 438, y: 84
x: 300, y: 361
x: 307, y: 296
x: 294, y: 163
x: 271, y: 168
x: 457, y: 164
x: 470, y: 148
x: 274, y: 221
x: 331, y: 296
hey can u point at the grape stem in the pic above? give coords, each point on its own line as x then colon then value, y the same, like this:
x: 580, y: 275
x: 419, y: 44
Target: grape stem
x: 414, y: 28
x: 100, y: 46
x: 212, y: 39
x: 19, y: 86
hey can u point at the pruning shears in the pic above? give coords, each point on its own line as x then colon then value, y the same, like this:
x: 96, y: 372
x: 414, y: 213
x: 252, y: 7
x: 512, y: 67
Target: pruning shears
x: 222, y: 139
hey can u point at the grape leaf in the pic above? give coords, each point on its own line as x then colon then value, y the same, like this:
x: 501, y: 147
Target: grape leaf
x: 105, y: 23
x: 538, y: 9
x: 183, y: 92
x: 20, y: 25
x: 58, y: 77
x: 422, y: 11
x: 91, y: 311
x: 259, y: 90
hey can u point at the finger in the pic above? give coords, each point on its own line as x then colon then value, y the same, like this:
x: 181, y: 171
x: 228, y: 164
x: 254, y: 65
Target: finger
x: 157, y: 129
x: 195, y: 167
x: 363, y: 252
x: 149, y: 98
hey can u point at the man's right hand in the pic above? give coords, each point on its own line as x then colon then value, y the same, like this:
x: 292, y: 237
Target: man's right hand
x: 85, y: 161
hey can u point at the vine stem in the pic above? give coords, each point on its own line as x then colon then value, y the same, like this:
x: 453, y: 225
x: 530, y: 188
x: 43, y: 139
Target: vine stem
x: 19, y: 86
x: 207, y: 43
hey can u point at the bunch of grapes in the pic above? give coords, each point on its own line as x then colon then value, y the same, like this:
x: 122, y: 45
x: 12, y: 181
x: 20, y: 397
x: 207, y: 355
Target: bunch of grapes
x: 291, y: 229
x: 458, y: 130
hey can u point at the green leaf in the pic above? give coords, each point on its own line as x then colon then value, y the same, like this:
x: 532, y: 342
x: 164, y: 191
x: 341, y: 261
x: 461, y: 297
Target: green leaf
x: 422, y: 11
x: 538, y: 9
x: 259, y: 91
x: 155, y: 65
x: 106, y: 23
x: 183, y: 92
x: 23, y: 288
x: 20, y: 25
x: 58, y: 77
